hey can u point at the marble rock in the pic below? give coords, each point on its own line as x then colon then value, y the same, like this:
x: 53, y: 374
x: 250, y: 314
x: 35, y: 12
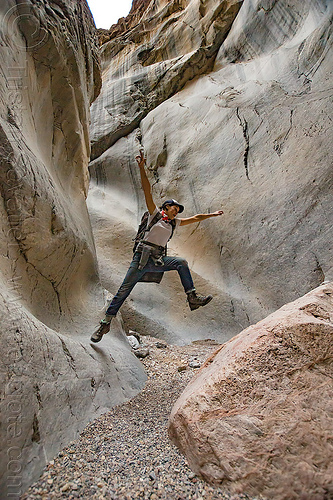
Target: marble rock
x: 252, y: 136
x: 257, y: 418
x: 52, y: 381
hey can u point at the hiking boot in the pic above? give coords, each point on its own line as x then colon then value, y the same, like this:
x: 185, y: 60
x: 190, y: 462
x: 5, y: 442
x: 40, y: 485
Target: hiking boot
x: 195, y: 301
x: 103, y: 328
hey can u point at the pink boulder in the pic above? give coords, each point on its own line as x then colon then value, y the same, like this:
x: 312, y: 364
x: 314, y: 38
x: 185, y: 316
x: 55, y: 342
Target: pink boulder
x: 258, y: 417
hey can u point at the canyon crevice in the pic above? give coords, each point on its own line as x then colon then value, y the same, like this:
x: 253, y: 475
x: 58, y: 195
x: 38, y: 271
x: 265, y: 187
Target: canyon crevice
x: 248, y: 132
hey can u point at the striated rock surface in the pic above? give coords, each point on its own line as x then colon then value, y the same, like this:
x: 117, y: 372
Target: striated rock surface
x: 250, y: 131
x: 124, y: 23
x: 52, y: 381
x: 258, y: 417
x: 144, y: 65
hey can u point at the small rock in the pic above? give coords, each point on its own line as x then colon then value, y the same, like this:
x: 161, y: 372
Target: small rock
x: 142, y: 353
x: 133, y: 342
x: 66, y: 487
x: 152, y: 476
x: 194, y: 363
x: 161, y: 345
x: 182, y: 368
x: 131, y: 333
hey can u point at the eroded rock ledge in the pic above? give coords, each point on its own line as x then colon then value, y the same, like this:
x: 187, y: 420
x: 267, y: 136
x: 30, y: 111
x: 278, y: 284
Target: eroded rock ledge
x: 150, y: 56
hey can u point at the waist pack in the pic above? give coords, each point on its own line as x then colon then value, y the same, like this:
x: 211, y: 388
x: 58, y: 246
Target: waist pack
x: 147, y: 251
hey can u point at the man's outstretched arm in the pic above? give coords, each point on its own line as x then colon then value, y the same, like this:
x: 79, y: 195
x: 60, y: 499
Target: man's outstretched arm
x: 145, y: 183
x: 199, y: 217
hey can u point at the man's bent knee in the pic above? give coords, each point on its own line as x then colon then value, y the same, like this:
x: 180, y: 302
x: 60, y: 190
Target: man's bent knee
x: 182, y: 262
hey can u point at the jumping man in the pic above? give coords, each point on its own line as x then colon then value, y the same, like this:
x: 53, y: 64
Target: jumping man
x: 150, y: 255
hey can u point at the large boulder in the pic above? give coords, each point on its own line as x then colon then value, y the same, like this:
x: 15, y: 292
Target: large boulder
x: 258, y: 417
x: 52, y: 381
x: 253, y: 136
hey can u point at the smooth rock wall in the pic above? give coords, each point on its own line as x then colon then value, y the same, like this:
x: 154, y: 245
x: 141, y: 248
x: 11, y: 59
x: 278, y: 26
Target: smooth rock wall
x: 251, y: 136
x: 52, y: 380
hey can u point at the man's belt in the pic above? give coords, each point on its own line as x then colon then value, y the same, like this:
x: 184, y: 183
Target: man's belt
x: 158, y: 247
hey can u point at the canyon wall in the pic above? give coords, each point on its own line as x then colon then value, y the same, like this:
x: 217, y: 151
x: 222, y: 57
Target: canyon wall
x: 232, y: 103
x: 52, y: 380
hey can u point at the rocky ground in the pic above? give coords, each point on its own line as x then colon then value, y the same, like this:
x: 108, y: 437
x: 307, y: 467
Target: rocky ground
x: 126, y: 453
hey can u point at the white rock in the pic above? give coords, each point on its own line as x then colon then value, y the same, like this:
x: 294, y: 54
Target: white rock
x: 194, y: 363
x: 133, y: 341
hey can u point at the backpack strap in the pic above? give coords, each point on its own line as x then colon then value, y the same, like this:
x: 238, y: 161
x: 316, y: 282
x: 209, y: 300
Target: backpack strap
x: 158, y: 216
x: 143, y: 230
x: 154, y: 220
x: 141, y: 233
x: 173, y: 226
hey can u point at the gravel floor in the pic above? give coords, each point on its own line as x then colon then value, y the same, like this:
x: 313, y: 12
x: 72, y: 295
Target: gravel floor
x: 126, y: 453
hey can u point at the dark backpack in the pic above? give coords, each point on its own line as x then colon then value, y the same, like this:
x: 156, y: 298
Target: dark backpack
x: 144, y: 227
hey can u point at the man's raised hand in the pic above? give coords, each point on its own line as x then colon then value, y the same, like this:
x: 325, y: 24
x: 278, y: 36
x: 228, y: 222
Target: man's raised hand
x: 141, y: 159
x: 145, y: 183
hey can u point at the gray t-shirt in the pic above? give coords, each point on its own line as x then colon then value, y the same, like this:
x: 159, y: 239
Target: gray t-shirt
x: 161, y: 231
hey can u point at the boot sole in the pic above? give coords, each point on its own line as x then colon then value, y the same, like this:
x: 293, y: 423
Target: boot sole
x: 95, y: 340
